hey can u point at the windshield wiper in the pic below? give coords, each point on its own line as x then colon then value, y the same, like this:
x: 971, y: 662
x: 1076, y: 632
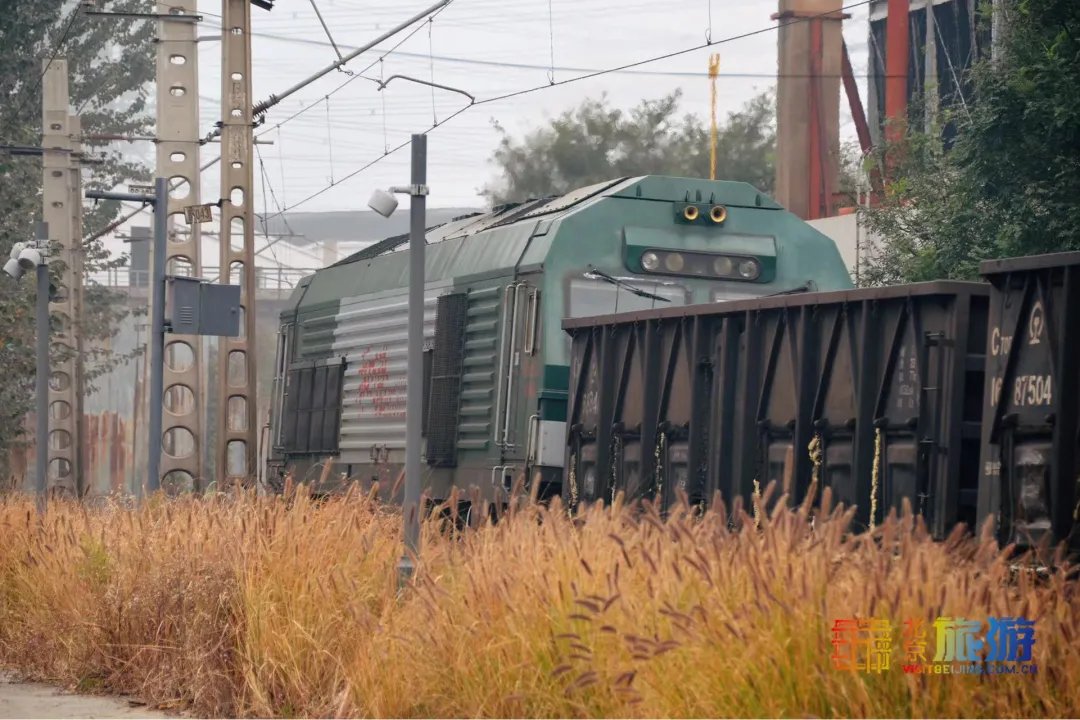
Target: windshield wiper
x: 807, y: 286
x: 625, y: 285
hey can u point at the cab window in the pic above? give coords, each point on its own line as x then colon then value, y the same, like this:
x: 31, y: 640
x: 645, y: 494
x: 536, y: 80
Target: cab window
x: 590, y: 297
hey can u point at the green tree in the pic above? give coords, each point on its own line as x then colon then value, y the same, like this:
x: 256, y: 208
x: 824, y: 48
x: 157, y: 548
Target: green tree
x: 111, y: 67
x: 595, y: 142
x: 1010, y: 185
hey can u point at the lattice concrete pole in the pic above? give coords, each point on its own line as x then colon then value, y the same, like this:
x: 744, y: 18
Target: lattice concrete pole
x: 78, y: 285
x: 178, y: 160
x: 64, y: 457
x: 237, y: 420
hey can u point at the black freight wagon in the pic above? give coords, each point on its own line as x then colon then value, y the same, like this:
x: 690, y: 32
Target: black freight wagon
x: 1030, y: 460
x: 730, y: 396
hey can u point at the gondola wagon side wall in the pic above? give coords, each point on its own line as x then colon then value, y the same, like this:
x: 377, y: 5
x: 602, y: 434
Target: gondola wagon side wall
x: 1030, y: 466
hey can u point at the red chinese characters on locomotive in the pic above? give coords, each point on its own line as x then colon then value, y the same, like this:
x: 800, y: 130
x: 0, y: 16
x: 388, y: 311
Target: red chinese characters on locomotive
x: 386, y: 398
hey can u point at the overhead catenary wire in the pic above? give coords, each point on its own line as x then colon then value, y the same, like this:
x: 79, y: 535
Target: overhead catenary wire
x: 567, y: 81
x: 274, y: 99
x: 551, y: 41
x: 360, y: 73
x: 666, y: 56
x: 268, y: 186
x: 283, y: 208
x: 142, y: 208
x: 431, y: 67
x: 469, y: 15
x: 264, y: 220
x: 261, y: 108
x: 329, y: 37
x: 559, y: 68
x: 266, y: 231
x: 281, y: 160
x: 382, y: 96
x: 329, y: 140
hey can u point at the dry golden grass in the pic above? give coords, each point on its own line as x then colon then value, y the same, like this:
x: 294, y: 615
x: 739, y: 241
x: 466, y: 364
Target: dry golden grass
x: 244, y: 606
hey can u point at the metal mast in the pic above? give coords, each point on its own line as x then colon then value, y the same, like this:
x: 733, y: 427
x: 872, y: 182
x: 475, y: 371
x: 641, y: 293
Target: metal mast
x: 178, y: 159
x: 58, y: 166
x: 236, y: 372
x: 78, y: 284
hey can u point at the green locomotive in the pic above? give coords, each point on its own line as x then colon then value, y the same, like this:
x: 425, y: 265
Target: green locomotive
x: 498, y: 286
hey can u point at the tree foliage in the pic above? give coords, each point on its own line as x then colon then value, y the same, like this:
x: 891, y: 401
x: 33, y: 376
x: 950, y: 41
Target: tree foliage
x: 596, y: 142
x: 111, y: 68
x: 1010, y: 185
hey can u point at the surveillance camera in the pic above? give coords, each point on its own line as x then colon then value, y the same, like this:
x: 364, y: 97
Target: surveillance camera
x: 30, y: 258
x: 383, y: 203
x: 16, y: 249
x: 12, y: 268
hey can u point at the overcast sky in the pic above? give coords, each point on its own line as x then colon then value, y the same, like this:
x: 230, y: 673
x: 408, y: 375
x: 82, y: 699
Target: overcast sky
x: 479, y: 46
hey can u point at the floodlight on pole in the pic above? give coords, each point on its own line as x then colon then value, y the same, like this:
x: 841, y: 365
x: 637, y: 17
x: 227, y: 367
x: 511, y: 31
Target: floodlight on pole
x: 30, y: 258
x: 13, y: 267
x: 383, y: 203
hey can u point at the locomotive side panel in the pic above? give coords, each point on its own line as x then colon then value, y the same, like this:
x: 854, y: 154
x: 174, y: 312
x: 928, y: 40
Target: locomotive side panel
x: 516, y: 272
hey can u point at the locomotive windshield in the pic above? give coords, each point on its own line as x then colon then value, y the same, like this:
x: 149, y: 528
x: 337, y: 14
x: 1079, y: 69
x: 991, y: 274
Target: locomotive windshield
x: 595, y: 296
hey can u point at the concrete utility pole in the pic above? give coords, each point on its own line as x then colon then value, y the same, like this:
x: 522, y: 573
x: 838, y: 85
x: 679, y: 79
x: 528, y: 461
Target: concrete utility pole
x: 237, y: 419
x: 65, y: 400
x: 178, y: 159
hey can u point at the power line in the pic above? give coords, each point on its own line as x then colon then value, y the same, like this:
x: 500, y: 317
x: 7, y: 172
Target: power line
x: 665, y: 56
x: 268, y: 185
x: 357, y: 75
x: 266, y: 233
x: 528, y: 66
x: 526, y: 91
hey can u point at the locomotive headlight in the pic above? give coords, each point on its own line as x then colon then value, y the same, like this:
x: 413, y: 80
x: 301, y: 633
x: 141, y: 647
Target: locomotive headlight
x: 674, y: 262
x: 735, y: 267
x: 723, y: 266
x: 748, y: 269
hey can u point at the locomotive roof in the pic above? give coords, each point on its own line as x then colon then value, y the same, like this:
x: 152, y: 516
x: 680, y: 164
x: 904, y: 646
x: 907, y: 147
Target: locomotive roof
x: 505, y: 237
x: 499, y: 216
x: 530, y: 210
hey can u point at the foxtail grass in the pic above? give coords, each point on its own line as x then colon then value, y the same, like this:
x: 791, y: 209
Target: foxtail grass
x: 235, y: 605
